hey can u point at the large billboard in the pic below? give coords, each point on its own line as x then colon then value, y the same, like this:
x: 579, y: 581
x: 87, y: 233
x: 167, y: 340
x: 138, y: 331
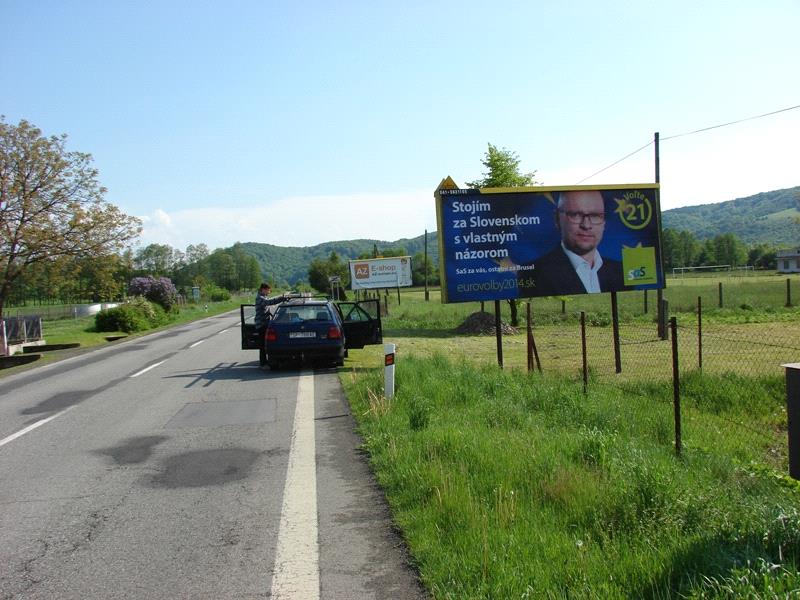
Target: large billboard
x: 372, y: 273
x: 503, y: 243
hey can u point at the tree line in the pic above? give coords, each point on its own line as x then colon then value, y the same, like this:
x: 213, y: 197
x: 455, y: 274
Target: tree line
x: 61, y: 241
x: 681, y: 248
x: 105, y: 277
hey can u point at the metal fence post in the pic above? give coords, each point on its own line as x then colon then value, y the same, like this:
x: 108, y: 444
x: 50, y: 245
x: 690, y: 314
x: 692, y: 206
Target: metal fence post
x: 676, y: 385
x: 720, y: 294
x: 793, y: 417
x: 700, y: 333
x: 788, y: 293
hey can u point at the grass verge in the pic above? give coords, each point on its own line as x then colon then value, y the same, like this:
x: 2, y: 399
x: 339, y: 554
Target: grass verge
x: 512, y: 486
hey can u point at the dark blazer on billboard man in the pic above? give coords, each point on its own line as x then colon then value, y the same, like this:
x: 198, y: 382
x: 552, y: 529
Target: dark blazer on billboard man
x: 554, y: 275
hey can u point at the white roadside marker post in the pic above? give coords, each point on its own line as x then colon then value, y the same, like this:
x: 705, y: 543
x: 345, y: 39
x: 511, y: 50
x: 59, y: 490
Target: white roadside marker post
x: 388, y: 370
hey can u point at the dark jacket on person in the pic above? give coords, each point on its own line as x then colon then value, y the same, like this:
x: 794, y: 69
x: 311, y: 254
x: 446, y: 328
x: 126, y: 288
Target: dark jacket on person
x: 262, y: 309
x: 554, y: 275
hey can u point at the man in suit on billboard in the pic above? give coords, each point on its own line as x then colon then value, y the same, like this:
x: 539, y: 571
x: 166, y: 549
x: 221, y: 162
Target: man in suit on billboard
x: 575, y: 265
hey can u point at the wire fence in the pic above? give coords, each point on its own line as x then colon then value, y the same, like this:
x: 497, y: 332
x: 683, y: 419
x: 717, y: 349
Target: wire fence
x: 730, y: 389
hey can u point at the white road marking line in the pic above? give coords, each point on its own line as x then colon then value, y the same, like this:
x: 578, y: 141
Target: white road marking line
x: 30, y: 428
x: 196, y: 343
x: 146, y: 369
x: 223, y: 331
x: 296, y: 573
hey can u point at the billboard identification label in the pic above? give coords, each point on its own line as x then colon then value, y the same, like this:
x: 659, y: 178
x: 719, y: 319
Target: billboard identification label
x: 375, y: 273
x: 508, y: 243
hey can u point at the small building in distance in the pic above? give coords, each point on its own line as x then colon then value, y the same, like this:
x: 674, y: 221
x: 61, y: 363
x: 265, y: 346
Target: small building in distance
x: 789, y: 261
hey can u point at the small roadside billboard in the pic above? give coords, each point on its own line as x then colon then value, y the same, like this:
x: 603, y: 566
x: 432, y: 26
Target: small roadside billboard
x: 378, y: 273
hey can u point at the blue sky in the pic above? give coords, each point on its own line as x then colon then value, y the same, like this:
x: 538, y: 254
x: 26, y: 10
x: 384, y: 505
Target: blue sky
x: 298, y: 123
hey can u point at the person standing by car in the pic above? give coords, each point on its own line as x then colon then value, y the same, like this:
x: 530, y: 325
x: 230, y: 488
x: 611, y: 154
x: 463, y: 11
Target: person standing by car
x: 262, y: 317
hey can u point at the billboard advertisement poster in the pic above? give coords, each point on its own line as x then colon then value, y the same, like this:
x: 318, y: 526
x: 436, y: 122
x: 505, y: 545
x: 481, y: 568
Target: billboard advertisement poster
x: 374, y: 273
x: 504, y: 243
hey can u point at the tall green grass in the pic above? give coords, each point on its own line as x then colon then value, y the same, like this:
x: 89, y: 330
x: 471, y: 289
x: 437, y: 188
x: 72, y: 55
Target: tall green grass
x: 508, y: 485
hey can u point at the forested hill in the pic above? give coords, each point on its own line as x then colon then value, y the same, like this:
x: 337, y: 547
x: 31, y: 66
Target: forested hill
x: 286, y: 264
x: 768, y: 218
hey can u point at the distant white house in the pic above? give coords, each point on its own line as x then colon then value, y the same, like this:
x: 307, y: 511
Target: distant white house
x: 789, y: 261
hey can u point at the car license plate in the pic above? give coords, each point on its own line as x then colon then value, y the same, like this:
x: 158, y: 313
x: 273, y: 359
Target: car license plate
x: 302, y: 334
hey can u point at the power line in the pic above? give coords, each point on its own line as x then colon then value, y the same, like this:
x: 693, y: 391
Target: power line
x: 672, y: 137
x: 774, y: 112
x: 615, y: 163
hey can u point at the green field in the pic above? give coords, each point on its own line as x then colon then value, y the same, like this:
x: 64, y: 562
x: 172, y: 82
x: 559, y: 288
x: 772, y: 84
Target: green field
x: 515, y: 485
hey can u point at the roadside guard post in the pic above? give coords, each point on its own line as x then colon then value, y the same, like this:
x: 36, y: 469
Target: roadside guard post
x: 793, y: 417
x: 388, y: 369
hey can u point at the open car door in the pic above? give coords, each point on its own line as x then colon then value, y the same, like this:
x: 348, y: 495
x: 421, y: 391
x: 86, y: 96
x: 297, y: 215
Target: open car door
x: 250, y: 339
x: 362, y: 322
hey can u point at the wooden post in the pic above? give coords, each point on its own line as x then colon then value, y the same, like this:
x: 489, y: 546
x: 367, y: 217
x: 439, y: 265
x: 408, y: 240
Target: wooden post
x: 788, y: 293
x: 793, y: 417
x: 720, y: 294
x: 645, y: 301
x: 532, y: 344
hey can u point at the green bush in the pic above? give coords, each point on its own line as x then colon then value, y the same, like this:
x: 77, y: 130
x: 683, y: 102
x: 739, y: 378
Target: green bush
x: 121, y: 318
x: 137, y: 315
x: 154, y: 313
x: 215, y: 293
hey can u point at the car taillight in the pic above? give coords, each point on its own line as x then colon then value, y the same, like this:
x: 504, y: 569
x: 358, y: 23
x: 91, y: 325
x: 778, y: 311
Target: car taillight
x: 271, y: 335
x: 334, y: 333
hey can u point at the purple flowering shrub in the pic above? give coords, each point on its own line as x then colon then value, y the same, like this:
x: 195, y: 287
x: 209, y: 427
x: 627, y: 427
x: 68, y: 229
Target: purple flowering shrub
x: 156, y: 289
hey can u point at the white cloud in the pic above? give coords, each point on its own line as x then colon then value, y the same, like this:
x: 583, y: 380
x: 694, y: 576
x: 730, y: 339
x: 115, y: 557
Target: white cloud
x: 300, y: 221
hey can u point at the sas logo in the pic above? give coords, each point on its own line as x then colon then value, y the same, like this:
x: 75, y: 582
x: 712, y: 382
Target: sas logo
x: 640, y: 273
x: 361, y: 270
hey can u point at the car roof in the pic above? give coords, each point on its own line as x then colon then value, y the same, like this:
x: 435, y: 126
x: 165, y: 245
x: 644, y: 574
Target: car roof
x: 306, y: 302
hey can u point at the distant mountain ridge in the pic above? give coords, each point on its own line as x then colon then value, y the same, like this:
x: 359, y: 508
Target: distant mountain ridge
x: 766, y: 218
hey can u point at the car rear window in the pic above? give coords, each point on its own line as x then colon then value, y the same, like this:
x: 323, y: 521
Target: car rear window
x: 297, y: 314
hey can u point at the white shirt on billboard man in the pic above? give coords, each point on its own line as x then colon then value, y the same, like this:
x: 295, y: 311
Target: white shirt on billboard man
x: 575, y: 265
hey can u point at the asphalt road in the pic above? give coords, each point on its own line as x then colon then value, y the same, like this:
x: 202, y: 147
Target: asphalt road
x: 172, y: 466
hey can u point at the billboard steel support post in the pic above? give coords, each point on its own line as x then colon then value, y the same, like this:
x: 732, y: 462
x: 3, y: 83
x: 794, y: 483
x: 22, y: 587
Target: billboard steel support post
x: 615, y: 329
x: 676, y: 384
x: 498, y: 333
x: 530, y: 336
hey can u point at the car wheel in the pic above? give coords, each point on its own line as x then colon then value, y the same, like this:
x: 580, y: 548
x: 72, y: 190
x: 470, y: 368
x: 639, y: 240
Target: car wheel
x: 273, y: 364
x: 262, y: 356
